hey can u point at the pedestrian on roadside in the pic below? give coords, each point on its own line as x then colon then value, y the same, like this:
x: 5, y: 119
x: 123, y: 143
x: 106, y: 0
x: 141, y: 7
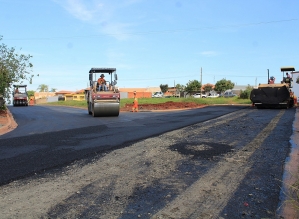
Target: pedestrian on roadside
x: 135, y: 103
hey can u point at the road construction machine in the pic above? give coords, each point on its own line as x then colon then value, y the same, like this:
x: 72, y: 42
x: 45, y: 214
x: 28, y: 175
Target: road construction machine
x: 275, y: 95
x: 103, y: 97
x: 20, y: 95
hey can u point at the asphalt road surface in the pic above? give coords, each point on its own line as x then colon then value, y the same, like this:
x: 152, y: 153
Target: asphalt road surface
x: 213, y: 162
x: 52, y: 136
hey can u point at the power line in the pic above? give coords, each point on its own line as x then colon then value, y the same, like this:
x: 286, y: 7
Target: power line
x: 157, y: 32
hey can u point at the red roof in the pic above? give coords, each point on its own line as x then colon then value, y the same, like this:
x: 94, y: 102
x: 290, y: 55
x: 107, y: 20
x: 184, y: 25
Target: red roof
x: 64, y: 92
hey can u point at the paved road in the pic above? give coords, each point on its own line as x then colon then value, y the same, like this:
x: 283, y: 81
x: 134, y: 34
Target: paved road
x: 227, y: 167
x: 53, y: 136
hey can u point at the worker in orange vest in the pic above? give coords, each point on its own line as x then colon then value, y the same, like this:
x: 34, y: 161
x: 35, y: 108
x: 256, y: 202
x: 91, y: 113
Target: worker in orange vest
x: 135, y: 103
x: 102, y: 83
x: 294, y: 97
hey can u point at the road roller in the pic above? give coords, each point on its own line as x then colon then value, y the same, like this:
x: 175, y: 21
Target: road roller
x: 275, y: 95
x: 103, y: 97
x: 20, y: 95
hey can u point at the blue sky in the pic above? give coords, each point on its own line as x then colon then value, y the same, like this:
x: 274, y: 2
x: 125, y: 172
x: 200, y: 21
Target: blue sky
x: 153, y: 42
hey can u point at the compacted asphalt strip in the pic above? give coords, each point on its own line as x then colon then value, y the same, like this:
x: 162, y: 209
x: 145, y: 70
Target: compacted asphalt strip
x: 48, y: 137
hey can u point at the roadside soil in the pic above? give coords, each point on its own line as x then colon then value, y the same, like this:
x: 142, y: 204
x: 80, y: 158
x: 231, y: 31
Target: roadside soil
x: 3, y: 117
x: 230, y: 167
x: 7, y: 122
x: 170, y: 105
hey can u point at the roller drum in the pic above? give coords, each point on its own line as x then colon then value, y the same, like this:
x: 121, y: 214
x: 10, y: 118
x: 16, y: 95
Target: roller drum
x: 105, y: 109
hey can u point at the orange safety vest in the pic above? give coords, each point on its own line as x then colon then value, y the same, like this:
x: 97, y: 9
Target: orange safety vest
x: 135, y: 102
x: 101, y: 81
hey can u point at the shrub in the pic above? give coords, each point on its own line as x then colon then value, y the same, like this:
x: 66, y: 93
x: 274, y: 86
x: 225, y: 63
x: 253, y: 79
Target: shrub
x: 246, y: 93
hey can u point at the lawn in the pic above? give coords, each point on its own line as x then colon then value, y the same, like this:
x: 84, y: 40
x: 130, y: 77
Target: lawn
x: 123, y: 102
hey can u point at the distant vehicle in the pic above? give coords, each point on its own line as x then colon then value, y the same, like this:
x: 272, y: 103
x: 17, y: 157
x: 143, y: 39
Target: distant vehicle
x: 199, y: 95
x: 213, y: 95
x: 61, y: 98
x: 20, y: 95
x: 158, y: 94
x: 229, y: 93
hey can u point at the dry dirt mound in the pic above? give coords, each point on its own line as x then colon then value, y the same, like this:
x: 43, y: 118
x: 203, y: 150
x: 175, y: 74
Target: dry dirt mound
x: 163, y: 106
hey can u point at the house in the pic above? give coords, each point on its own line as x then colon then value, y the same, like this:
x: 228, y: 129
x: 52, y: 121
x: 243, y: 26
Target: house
x: 238, y: 88
x: 140, y: 92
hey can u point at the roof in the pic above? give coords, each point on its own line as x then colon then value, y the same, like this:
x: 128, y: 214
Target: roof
x: 240, y: 87
x: 21, y: 85
x: 102, y: 70
x: 148, y: 89
x: 288, y: 68
x: 64, y: 92
x: 133, y: 89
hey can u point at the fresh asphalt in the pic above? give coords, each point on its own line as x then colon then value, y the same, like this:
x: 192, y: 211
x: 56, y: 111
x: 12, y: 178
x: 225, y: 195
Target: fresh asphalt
x: 48, y: 137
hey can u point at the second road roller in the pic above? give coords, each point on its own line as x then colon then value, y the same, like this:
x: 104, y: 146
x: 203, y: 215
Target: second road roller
x: 20, y: 95
x: 275, y: 95
x: 103, y: 97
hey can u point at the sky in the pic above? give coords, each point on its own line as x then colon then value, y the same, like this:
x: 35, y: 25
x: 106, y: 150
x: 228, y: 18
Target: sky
x: 152, y: 42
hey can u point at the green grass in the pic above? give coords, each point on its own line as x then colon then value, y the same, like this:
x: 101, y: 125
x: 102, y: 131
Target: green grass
x: 123, y: 102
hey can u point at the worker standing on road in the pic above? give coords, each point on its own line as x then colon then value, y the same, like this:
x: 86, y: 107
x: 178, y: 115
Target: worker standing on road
x: 135, y: 103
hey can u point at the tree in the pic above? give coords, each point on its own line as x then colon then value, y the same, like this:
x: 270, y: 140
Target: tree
x: 14, y: 68
x: 193, y: 86
x: 179, y: 88
x: 30, y: 93
x: 246, y: 93
x: 53, y: 90
x: 164, y: 87
x: 208, y: 87
x: 43, y: 88
x: 223, y: 85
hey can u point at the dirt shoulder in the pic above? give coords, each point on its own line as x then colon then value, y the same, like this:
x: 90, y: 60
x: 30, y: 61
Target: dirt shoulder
x: 7, y: 122
x: 163, y: 106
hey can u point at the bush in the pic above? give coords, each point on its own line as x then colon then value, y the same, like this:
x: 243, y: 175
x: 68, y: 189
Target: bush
x: 246, y: 93
x: 2, y: 103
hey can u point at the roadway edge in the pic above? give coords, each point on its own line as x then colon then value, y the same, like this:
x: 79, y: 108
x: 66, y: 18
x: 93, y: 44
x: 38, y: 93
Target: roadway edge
x: 10, y: 125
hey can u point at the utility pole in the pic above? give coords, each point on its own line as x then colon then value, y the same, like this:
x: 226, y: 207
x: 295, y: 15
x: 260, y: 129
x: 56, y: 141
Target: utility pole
x: 200, y: 78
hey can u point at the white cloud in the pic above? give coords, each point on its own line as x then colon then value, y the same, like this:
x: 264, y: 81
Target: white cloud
x: 81, y: 9
x: 101, y: 14
x: 209, y: 53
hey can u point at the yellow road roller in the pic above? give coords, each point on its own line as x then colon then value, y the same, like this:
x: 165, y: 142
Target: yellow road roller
x: 275, y: 95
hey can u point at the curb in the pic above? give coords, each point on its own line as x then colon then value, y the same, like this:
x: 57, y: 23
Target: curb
x: 287, y: 209
x: 11, y: 124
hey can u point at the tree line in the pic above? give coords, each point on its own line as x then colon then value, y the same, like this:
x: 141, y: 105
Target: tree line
x: 14, y: 68
x: 194, y: 86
